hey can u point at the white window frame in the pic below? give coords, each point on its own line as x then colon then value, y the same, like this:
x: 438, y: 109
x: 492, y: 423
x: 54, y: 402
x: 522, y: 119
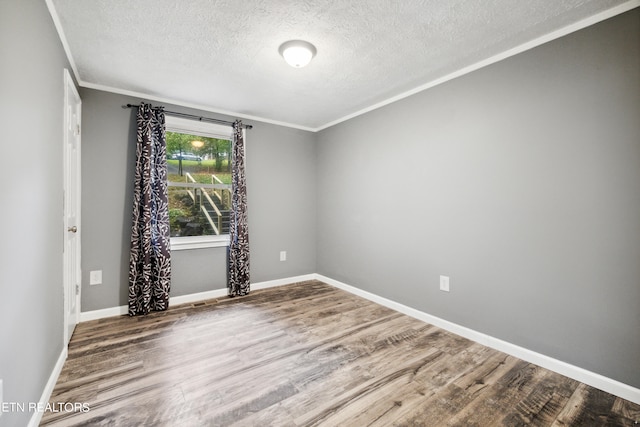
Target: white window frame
x: 208, y: 129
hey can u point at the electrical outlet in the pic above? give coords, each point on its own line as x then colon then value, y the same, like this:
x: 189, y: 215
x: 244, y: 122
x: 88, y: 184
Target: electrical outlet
x: 95, y: 277
x: 283, y: 255
x: 444, y: 283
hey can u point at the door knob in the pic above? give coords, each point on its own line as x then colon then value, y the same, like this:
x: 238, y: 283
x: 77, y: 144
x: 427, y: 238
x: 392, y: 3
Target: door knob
x: 73, y: 229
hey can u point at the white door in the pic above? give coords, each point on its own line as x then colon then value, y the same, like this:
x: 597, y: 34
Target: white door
x: 71, y: 257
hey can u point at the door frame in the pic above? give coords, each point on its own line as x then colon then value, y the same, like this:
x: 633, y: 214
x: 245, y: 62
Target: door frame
x: 71, y: 287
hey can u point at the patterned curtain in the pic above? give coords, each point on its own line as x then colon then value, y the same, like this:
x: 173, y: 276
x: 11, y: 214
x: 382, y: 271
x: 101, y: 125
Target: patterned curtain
x: 150, y: 260
x: 238, y: 230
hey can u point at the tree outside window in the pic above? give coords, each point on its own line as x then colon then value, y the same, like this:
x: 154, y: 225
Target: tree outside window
x: 199, y: 179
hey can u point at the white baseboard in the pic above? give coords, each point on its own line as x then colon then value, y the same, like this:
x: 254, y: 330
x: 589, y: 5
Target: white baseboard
x: 598, y: 381
x: 281, y: 282
x: 200, y: 296
x: 185, y: 299
x: 48, y: 388
x: 86, y: 316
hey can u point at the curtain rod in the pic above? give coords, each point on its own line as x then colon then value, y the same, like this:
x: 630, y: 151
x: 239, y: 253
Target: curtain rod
x: 199, y: 118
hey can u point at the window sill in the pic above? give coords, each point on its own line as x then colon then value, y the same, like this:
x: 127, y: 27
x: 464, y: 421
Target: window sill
x: 199, y: 242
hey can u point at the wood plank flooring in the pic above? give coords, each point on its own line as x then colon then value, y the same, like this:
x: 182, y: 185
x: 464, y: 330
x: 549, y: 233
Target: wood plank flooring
x: 308, y: 354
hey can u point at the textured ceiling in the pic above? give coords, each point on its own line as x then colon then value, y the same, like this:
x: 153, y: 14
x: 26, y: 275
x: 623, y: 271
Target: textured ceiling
x: 223, y: 55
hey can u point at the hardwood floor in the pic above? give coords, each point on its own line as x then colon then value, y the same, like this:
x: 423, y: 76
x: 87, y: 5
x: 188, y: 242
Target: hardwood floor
x: 308, y: 354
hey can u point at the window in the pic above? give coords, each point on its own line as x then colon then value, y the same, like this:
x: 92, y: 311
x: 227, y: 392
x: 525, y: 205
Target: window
x: 199, y: 183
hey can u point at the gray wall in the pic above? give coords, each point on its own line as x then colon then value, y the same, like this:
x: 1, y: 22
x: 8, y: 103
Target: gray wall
x: 520, y: 181
x: 281, y: 185
x: 31, y: 302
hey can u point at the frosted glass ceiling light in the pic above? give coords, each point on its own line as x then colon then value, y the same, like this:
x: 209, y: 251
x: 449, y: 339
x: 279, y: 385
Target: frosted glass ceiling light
x: 297, y: 53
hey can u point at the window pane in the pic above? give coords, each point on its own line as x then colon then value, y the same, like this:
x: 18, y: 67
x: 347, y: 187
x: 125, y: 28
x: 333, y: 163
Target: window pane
x: 199, y: 211
x: 192, y: 159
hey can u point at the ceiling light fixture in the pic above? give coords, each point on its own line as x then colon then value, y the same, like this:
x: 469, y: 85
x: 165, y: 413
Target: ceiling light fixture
x: 297, y: 53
